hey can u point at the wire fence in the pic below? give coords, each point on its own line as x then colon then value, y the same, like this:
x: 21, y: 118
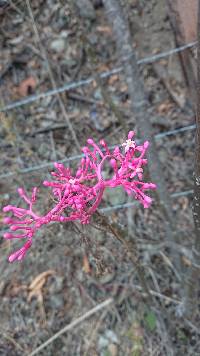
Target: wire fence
x: 117, y: 206
x: 73, y: 158
x: 75, y: 85
x: 130, y: 205
x: 109, y: 209
x: 78, y: 84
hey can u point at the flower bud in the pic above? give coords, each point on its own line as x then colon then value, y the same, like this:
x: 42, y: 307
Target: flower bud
x: 131, y: 134
x: 90, y: 141
x: 7, y: 208
x: 20, y: 191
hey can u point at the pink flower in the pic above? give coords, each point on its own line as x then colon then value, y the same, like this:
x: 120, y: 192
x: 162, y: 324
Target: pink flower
x: 78, y: 196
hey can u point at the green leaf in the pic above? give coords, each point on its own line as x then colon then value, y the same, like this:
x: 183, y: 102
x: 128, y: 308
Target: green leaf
x: 150, y: 320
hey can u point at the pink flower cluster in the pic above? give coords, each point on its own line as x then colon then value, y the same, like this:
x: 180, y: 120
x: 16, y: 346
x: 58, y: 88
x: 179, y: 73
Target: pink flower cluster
x: 78, y: 196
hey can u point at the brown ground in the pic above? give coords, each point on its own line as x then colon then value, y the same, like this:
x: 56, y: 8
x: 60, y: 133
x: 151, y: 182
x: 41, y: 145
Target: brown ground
x: 81, y: 273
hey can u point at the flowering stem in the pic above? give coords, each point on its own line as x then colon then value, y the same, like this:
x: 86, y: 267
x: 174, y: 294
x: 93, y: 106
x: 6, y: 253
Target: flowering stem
x: 131, y: 251
x: 78, y: 196
x: 97, y: 202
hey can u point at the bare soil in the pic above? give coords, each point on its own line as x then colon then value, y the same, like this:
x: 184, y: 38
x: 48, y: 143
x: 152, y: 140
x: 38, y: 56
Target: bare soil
x: 83, y: 271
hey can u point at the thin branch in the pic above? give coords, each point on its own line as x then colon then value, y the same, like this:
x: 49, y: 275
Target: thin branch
x: 51, y: 76
x: 132, y: 251
x: 73, y: 158
x: 70, y: 326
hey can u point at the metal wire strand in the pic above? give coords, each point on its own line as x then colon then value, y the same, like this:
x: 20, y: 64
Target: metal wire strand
x: 130, y: 205
x: 75, y: 85
x: 73, y: 158
x: 109, y: 209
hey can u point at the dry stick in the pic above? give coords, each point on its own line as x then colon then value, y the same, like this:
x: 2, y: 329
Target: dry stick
x: 192, y: 284
x: 94, y: 332
x: 70, y: 326
x: 53, y: 82
x: 140, y: 106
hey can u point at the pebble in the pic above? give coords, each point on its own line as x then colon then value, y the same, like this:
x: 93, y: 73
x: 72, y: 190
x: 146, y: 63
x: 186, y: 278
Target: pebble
x: 56, y: 301
x: 108, y: 338
x: 86, y: 9
x: 58, y: 45
x: 56, y: 285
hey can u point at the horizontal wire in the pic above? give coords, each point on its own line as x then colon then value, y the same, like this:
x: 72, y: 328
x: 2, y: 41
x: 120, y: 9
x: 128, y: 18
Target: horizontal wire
x: 75, y: 85
x: 73, y: 158
x: 130, y: 205
x: 175, y: 131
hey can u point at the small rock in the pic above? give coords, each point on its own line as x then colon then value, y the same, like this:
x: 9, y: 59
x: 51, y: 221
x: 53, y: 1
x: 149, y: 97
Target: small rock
x: 106, y: 339
x: 107, y: 278
x: 56, y: 285
x: 64, y: 34
x: 56, y: 301
x: 58, y: 45
x: 70, y: 62
x: 97, y: 94
x: 103, y: 342
x: 93, y: 39
x: 111, y: 336
x: 16, y: 40
x: 86, y: 9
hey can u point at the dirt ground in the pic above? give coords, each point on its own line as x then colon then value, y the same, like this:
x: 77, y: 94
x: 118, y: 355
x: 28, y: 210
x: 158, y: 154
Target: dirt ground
x: 71, y: 275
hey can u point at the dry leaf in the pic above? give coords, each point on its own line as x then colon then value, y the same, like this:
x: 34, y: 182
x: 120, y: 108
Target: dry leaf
x: 102, y: 68
x: 41, y: 277
x: 104, y: 29
x: 123, y: 88
x: 114, y: 78
x: 164, y: 107
x: 186, y: 261
x: 86, y: 265
x: 27, y: 86
x: 35, y: 288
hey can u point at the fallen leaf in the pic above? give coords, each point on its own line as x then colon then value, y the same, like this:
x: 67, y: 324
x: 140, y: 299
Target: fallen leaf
x: 102, y: 68
x: 104, y: 29
x: 164, y: 107
x: 35, y: 288
x: 186, y: 261
x: 27, y: 86
x: 113, y: 79
x: 41, y: 277
x: 86, y: 265
x: 124, y: 88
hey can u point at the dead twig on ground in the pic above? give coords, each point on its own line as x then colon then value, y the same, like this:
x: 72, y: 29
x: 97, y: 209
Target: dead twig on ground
x: 51, y: 76
x: 133, y: 254
x: 74, y: 323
